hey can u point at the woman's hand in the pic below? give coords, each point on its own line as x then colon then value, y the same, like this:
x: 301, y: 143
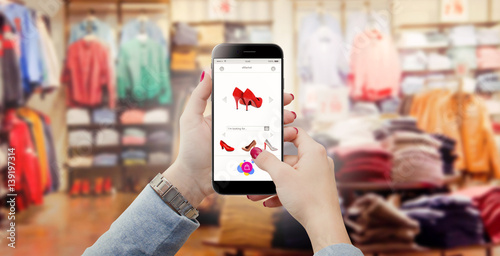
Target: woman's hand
x: 191, y: 173
x: 305, y: 186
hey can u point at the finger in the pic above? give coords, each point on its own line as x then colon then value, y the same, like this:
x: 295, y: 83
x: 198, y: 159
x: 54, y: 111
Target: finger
x: 198, y: 101
x: 307, y: 145
x: 289, y: 116
x: 287, y: 98
x: 272, y: 202
x: 291, y: 160
x: 269, y: 163
x: 289, y: 133
x: 257, y: 197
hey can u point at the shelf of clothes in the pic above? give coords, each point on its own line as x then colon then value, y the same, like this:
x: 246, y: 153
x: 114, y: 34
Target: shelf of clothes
x: 192, y: 43
x: 28, y: 60
x: 111, y: 134
x: 98, y: 72
x: 461, y: 218
x: 28, y: 132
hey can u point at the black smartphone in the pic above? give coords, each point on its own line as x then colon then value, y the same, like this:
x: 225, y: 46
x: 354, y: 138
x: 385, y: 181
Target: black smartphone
x: 247, y: 112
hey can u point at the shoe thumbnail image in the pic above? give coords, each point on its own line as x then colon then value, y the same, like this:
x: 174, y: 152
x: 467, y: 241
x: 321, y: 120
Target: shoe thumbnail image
x: 228, y: 148
x: 246, y: 98
x: 250, y: 146
x: 268, y: 144
x: 246, y: 168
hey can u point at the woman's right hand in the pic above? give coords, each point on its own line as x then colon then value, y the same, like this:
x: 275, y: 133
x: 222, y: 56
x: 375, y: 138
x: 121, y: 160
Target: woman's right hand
x: 305, y: 186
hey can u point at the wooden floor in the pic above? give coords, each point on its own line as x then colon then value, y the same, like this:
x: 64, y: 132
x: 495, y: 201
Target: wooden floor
x: 66, y: 226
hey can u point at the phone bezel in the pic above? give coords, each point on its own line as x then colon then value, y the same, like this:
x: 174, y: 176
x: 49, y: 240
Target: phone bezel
x: 246, y: 51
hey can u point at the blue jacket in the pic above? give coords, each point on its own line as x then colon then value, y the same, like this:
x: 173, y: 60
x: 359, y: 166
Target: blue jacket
x: 151, y: 227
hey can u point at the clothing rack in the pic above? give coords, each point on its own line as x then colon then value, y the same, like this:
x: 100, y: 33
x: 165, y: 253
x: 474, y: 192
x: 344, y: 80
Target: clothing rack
x: 120, y: 173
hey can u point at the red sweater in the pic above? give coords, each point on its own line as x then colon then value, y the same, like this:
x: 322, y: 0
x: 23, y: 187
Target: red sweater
x: 86, y: 72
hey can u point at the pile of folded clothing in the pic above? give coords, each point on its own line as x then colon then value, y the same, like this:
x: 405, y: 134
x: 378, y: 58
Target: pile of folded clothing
x: 80, y: 138
x: 438, y: 61
x: 133, y: 136
x: 132, y: 116
x: 447, y: 150
x: 375, y: 224
x: 134, y: 157
x: 245, y: 223
x: 77, y: 116
x: 446, y: 221
x: 488, y: 82
x: 105, y: 159
x: 408, y: 124
x: 487, y: 200
x: 463, y: 35
x: 488, y: 57
x: 488, y: 35
x: 159, y: 137
x: 368, y: 163
x: 414, y: 61
x: 103, y: 116
x: 107, y: 137
x: 159, y: 158
x: 416, y: 158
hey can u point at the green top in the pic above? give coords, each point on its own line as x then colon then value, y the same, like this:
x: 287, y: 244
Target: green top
x: 142, y: 72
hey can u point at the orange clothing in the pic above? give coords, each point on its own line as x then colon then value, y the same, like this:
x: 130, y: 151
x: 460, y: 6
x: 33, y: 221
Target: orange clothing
x: 438, y: 111
x: 40, y: 143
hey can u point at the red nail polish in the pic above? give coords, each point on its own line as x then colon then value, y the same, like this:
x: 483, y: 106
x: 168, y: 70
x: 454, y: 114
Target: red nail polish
x: 255, y: 152
x: 293, y: 97
x: 295, y: 114
x: 248, y: 197
x: 202, y: 76
x: 297, y: 130
x: 264, y: 203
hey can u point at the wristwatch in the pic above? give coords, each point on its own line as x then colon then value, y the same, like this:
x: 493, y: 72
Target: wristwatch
x: 172, y: 197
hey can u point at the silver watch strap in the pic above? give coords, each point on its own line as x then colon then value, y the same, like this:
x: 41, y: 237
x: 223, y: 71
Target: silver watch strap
x: 170, y: 195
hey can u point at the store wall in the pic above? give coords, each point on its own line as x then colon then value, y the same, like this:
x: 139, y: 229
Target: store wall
x: 285, y: 14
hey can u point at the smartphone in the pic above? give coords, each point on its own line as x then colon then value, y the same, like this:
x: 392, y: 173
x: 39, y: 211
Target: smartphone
x: 247, y: 112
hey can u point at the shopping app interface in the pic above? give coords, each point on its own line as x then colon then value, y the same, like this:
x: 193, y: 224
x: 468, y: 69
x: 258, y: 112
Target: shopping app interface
x: 247, y: 107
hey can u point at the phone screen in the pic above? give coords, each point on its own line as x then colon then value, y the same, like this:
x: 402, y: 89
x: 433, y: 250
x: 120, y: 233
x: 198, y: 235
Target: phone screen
x: 248, y: 103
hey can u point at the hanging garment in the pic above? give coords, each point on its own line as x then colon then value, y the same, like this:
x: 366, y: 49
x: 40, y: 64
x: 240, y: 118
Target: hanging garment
x: 28, y: 185
x: 320, y: 56
x: 39, y: 141
x: 31, y: 54
x: 11, y: 90
x: 136, y: 27
x: 101, y: 30
x: 51, y: 153
x: 87, y: 73
x: 52, y: 69
x: 142, y: 72
x: 375, y: 68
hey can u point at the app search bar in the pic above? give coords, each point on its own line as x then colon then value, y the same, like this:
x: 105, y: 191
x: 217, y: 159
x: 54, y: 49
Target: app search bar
x: 247, y: 68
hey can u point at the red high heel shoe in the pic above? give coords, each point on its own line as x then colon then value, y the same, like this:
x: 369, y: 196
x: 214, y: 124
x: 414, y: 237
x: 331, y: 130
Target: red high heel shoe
x: 238, y: 96
x: 223, y: 145
x: 250, y: 99
x: 76, y: 188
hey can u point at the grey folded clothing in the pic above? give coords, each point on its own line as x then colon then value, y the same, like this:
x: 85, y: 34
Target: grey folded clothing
x: 79, y: 138
x: 105, y: 159
x: 159, y: 137
x: 103, y: 116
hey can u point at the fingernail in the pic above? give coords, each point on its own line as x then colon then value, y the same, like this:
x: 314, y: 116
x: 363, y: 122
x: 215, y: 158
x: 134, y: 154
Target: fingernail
x: 255, y: 152
x: 202, y: 76
x: 264, y: 203
x: 295, y: 114
x: 248, y: 197
x: 293, y: 97
x: 297, y: 130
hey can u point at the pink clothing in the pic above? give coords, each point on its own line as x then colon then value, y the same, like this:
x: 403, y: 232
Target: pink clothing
x: 488, y: 57
x: 375, y: 68
x: 133, y: 141
x: 133, y: 116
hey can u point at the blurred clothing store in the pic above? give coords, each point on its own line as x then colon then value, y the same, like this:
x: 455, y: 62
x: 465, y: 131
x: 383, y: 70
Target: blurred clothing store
x: 404, y: 95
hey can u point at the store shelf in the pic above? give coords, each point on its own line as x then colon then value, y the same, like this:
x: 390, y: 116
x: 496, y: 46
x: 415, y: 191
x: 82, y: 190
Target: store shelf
x: 226, y: 22
x: 447, y: 25
x: 119, y: 126
x: 444, y: 71
x: 118, y: 148
x: 436, y: 48
x: 388, y: 186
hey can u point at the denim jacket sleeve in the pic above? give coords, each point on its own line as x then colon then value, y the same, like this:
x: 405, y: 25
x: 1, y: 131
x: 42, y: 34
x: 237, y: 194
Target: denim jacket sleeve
x: 150, y: 227
x: 147, y: 227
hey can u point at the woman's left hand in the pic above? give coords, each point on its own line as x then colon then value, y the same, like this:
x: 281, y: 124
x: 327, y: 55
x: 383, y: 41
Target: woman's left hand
x: 191, y: 173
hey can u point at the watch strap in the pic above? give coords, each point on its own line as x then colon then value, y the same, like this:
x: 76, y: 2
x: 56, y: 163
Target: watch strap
x: 172, y: 197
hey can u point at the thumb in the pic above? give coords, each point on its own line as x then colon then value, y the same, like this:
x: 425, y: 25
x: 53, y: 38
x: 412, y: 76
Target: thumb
x: 268, y: 162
